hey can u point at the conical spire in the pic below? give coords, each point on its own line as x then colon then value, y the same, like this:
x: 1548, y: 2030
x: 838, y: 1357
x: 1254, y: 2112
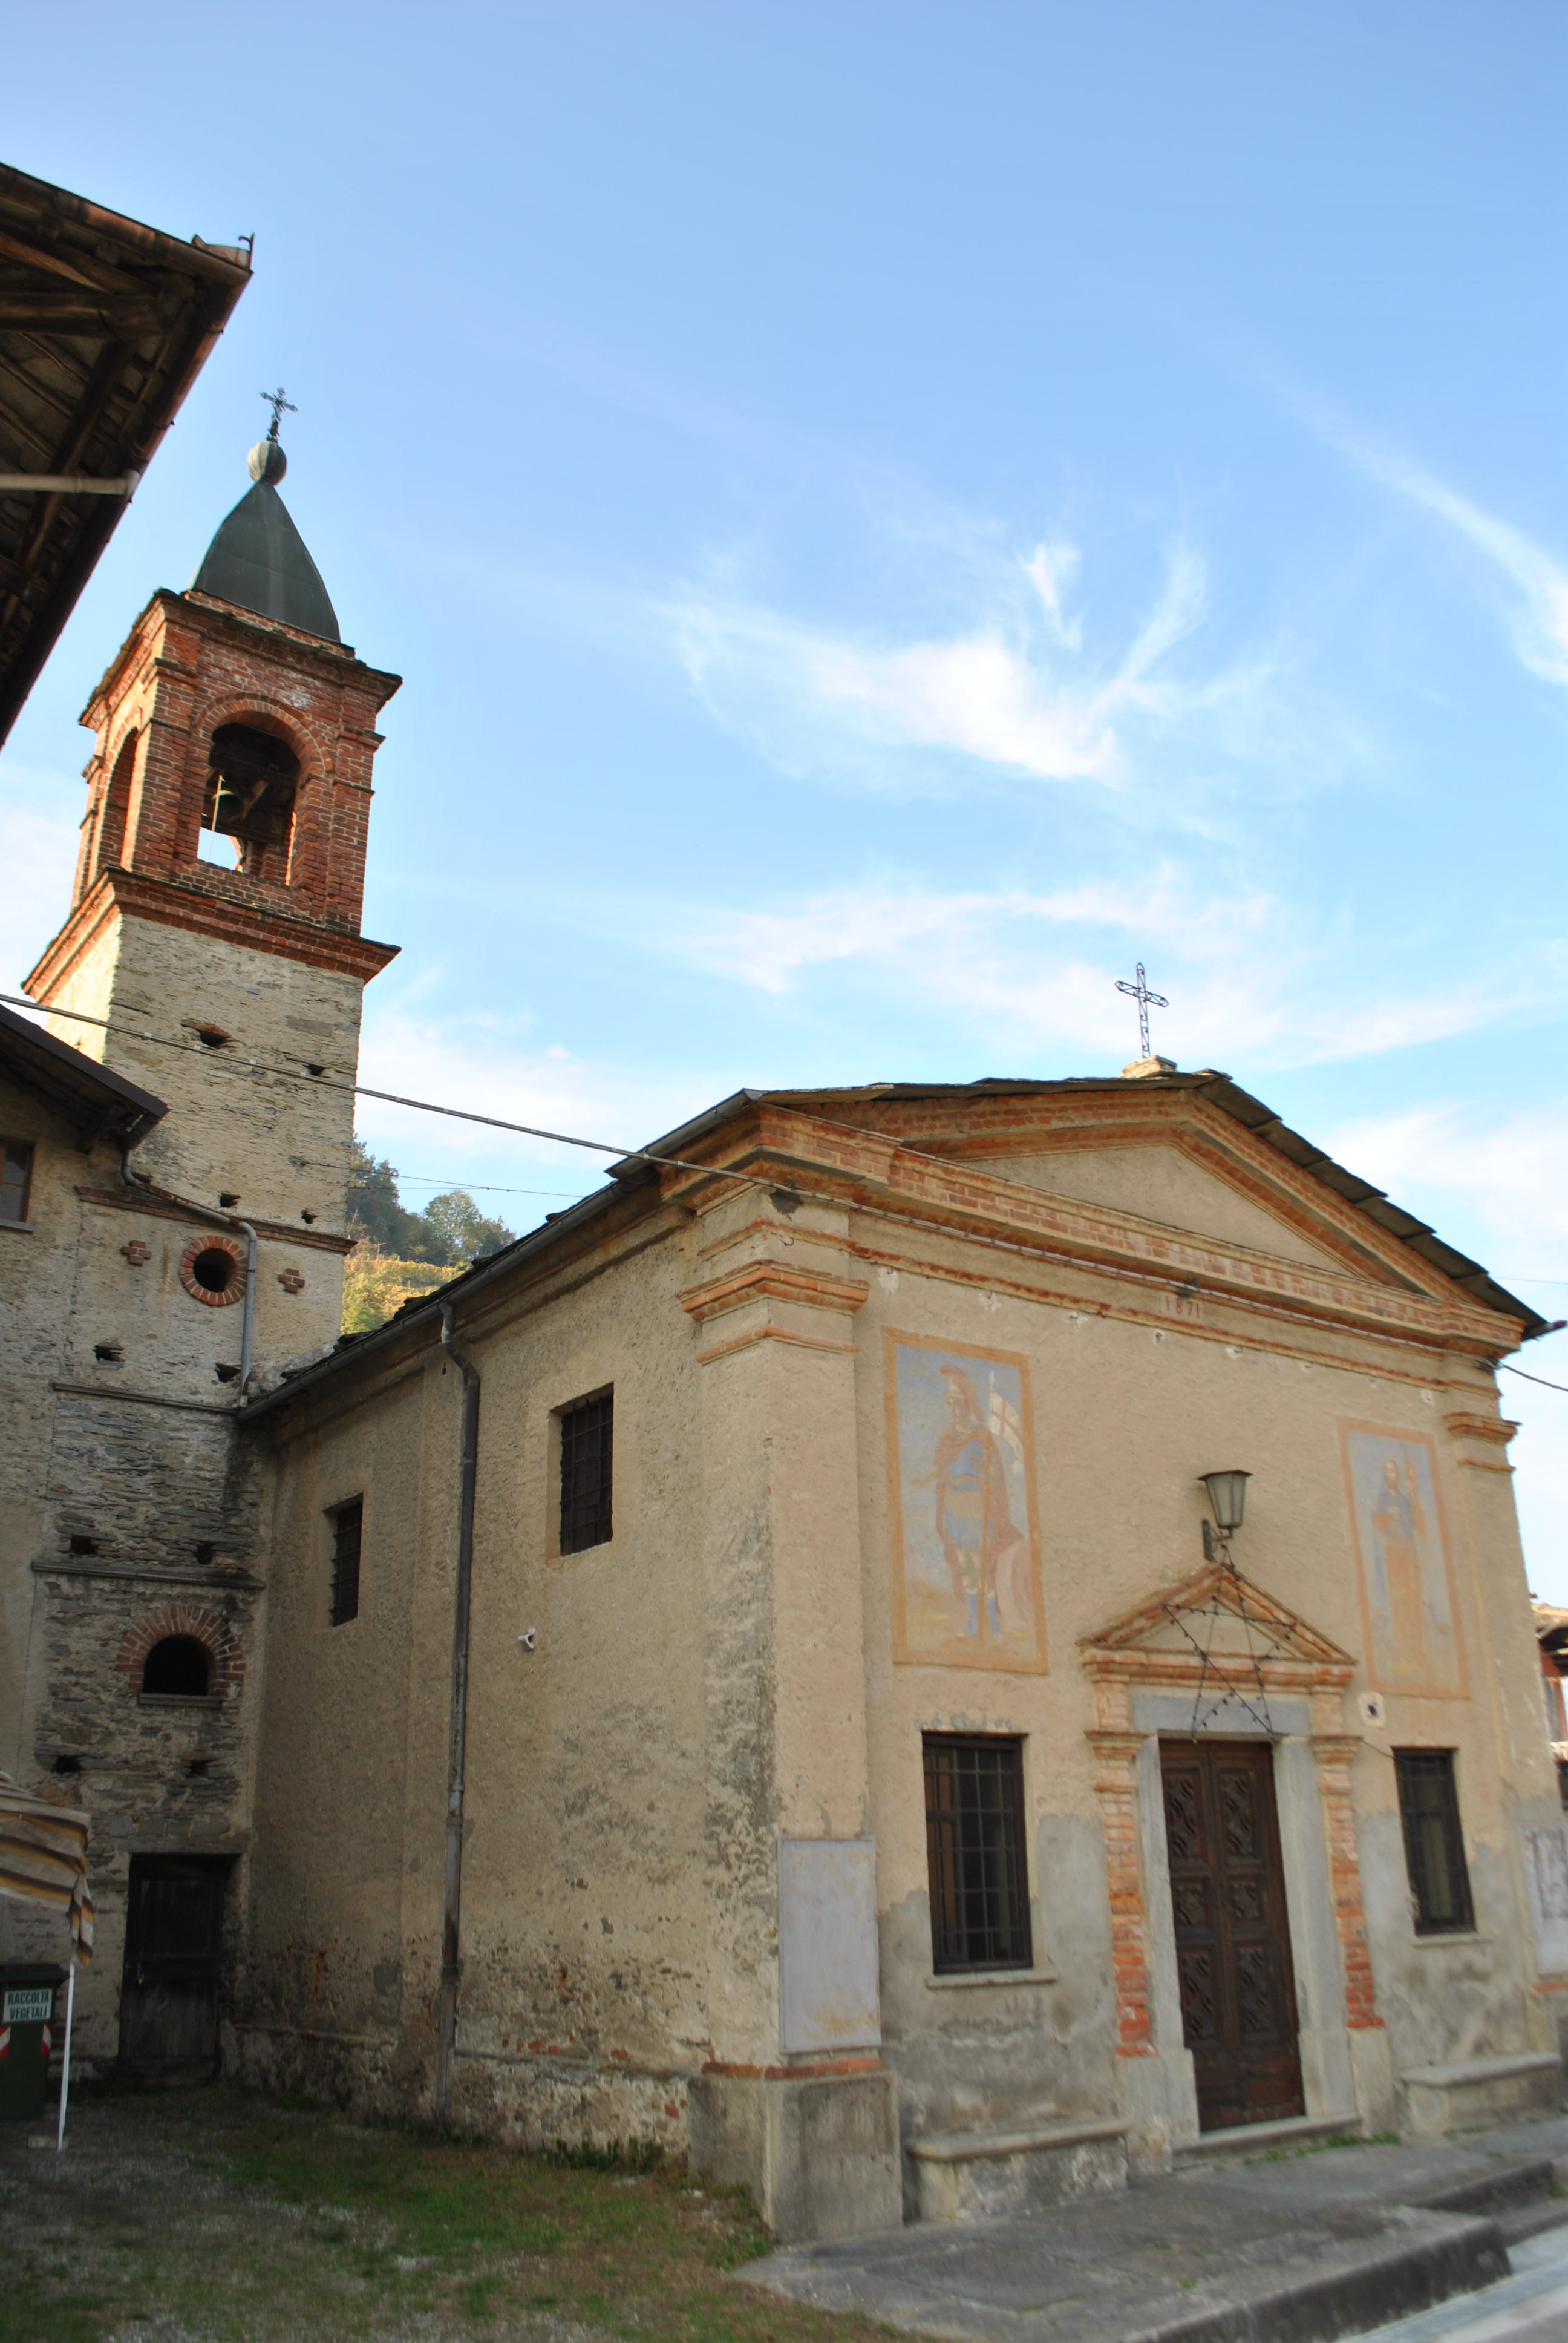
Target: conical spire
x: 258, y: 560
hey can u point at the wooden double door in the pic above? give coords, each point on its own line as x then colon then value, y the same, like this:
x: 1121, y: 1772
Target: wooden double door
x: 1233, y: 1931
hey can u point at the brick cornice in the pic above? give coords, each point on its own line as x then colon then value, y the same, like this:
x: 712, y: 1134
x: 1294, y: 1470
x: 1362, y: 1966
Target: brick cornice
x: 260, y: 927
x: 1480, y: 1427
x: 866, y: 1168
x: 167, y: 611
x: 774, y: 1281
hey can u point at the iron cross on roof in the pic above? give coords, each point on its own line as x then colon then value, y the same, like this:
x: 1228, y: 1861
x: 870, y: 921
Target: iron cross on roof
x: 280, y: 407
x: 1146, y: 1001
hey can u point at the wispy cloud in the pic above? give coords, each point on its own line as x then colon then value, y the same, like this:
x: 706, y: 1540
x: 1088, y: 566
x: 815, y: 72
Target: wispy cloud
x: 1538, y: 616
x: 1034, y: 969
x: 1015, y: 690
x: 1507, y: 1173
x: 471, y: 1062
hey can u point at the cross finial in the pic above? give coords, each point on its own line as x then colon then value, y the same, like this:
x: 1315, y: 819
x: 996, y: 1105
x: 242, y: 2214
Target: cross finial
x: 280, y: 407
x: 1146, y: 1001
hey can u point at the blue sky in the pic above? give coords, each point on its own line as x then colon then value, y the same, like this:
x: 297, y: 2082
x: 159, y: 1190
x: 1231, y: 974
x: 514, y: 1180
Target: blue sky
x: 887, y: 517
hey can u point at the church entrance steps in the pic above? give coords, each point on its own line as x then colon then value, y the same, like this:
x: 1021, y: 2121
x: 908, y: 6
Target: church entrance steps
x: 979, y: 2176
x: 1241, y: 2143
x: 1307, y: 2243
x: 1468, y: 2092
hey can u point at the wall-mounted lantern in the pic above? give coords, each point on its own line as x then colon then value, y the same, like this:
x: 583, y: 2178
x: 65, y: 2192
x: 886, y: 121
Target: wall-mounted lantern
x: 1228, y: 1497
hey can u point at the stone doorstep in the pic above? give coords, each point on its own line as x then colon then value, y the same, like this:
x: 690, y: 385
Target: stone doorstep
x: 970, y: 2147
x: 1240, y: 2142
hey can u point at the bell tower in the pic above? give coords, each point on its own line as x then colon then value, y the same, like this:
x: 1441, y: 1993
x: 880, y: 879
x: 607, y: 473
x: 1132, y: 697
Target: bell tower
x: 214, y: 919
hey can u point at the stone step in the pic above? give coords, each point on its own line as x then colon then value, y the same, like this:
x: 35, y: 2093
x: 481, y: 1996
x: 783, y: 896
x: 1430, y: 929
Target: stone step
x: 1241, y: 2143
x: 1027, y: 2167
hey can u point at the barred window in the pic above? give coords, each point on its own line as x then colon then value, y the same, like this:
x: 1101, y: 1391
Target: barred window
x: 348, y: 1522
x: 1433, y: 1843
x: 15, y: 1178
x: 975, y: 1851
x: 587, y: 1435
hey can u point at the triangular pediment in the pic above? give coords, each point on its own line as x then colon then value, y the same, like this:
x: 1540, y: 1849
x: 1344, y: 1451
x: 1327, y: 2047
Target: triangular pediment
x: 1166, y: 1183
x: 1215, y: 1613
x: 1165, y: 1161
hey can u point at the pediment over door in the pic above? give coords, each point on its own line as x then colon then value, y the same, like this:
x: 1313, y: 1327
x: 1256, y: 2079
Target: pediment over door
x: 1214, y: 1636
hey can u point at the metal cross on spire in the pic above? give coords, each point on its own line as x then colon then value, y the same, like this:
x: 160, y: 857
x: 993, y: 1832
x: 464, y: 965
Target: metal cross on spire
x: 1146, y: 1001
x: 281, y: 405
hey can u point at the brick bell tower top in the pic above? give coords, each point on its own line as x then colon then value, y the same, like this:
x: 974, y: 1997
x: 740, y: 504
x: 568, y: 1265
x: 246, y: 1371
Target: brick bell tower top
x: 234, y: 708
x: 219, y: 884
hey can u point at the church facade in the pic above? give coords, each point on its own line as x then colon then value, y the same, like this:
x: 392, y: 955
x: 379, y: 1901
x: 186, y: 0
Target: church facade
x: 932, y: 1648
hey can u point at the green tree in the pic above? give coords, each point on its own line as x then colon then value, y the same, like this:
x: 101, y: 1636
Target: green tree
x: 450, y: 1231
x: 457, y: 1222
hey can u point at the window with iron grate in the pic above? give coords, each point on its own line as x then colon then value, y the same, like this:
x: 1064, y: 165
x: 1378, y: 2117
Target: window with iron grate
x: 587, y: 1439
x: 975, y: 1852
x: 348, y: 1522
x: 1433, y: 1843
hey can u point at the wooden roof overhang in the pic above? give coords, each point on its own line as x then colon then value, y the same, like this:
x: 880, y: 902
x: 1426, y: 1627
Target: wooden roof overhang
x: 104, y: 326
x: 92, y: 1098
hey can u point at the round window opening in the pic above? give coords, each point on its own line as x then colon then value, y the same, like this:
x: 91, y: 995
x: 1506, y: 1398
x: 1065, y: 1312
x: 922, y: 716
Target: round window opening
x: 214, y: 1271
x: 179, y: 1668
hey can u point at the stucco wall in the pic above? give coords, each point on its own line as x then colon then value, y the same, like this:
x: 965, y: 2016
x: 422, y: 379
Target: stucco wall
x: 723, y: 1671
x: 584, y: 1917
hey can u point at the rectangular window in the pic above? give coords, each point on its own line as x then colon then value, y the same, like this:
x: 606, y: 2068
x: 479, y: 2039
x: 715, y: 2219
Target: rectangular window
x: 975, y: 1851
x: 1433, y: 1844
x: 587, y: 1432
x: 15, y: 1178
x: 348, y: 1521
x: 1556, y: 1721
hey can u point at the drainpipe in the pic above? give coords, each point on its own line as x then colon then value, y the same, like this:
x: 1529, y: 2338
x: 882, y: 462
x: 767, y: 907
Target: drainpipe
x: 216, y: 1220
x: 451, y: 1911
x: 248, y: 1329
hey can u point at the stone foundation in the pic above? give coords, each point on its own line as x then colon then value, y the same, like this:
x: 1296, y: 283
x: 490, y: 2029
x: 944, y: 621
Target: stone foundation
x: 820, y: 2155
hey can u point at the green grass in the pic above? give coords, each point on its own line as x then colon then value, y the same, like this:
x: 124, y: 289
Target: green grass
x: 249, y: 2221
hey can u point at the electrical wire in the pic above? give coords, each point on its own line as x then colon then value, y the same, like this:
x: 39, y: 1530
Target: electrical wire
x: 393, y: 1097
x: 1531, y: 1379
x: 216, y: 1057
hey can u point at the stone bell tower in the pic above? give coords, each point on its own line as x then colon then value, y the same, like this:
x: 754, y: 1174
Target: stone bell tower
x: 215, y: 919
x: 214, y: 932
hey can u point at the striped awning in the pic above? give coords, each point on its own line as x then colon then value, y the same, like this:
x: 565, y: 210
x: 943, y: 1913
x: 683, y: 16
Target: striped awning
x: 44, y: 1858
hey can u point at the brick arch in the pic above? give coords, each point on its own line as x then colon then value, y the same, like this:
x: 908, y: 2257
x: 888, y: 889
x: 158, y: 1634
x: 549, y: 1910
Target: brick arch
x: 214, y: 1241
x: 204, y: 1626
x: 268, y: 716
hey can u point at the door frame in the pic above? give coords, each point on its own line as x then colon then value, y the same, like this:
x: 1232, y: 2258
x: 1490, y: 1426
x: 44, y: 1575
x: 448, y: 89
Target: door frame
x: 220, y: 1868
x: 1322, y: 2034
x: 1238, y: 2072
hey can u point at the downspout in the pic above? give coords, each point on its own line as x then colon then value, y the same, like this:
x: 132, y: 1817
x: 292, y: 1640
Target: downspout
x: 217, y: 1221
x: 451, y: 1911
x: 247, y: 1327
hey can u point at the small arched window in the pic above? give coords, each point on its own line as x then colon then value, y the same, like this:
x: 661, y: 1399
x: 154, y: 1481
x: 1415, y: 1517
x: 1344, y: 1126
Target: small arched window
x: 251, y: 780
x: 179, y: 1668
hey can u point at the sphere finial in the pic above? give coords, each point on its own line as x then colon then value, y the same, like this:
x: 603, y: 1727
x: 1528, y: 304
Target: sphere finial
x: 266, y: 461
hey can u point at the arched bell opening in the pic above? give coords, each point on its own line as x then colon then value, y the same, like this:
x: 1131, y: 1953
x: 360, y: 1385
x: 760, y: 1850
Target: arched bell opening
x: 252, y: 780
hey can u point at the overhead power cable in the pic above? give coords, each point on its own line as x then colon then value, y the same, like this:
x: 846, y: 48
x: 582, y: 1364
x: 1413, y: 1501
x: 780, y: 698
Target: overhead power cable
x: 1532, y: 1379
x: 233, y: 1064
